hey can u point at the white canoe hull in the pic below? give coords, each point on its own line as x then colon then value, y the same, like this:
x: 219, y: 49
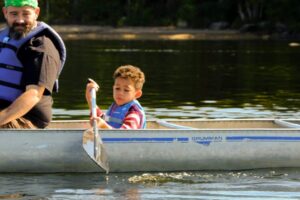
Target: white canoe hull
x: 60, y: 149
x: 44, y: 151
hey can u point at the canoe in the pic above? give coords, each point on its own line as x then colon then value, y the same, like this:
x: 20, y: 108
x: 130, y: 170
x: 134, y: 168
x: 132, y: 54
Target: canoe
x: 173, y: 145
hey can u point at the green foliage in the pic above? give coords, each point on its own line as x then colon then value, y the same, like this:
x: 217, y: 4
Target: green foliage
x: 191, y: 13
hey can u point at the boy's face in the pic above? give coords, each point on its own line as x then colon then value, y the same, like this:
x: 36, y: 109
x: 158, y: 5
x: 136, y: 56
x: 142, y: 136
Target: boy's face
x: 124, y: 91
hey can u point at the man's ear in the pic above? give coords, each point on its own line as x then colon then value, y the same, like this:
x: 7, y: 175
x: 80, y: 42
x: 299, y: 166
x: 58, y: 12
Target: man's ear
x: 4, y: 11
x: 37, y: 12
x: 138, y: 94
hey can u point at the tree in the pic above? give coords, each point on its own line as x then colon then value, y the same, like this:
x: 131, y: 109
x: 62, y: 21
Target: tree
x: 250, y: 10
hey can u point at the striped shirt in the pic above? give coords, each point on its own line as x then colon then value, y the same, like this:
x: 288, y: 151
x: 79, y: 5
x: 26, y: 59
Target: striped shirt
x: 133, y: 119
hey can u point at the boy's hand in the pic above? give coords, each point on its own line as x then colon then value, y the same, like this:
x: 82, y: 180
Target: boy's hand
x: 100, y: 122
x: 92, y: 84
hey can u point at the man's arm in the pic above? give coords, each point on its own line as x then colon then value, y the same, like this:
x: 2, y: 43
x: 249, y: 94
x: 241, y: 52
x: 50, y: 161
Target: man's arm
x: 23, y: 104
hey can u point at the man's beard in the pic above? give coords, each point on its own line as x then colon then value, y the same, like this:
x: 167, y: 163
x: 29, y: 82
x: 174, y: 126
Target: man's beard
x: 16, y: 33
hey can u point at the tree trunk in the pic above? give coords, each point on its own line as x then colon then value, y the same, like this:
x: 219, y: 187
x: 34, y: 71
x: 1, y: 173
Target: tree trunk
x: 250, y: 10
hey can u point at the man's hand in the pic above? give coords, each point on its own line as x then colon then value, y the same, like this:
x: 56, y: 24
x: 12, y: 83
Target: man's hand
x: 23, y: 104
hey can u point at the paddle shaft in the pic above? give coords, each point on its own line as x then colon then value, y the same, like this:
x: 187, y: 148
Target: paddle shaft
x: 94, y: 114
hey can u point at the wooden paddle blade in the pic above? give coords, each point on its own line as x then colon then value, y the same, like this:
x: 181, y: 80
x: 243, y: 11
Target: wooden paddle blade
x: 89, y: 146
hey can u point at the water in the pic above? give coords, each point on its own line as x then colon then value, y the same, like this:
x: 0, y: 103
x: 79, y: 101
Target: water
x: 258, y: 184
x: 186, y: 79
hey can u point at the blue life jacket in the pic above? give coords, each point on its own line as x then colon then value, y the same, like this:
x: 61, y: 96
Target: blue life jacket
x: 115, y: 115
x: 11, y: 68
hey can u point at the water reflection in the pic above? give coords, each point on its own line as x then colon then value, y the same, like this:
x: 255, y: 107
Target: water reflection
x: 188, y: 79
x: 223, y: 185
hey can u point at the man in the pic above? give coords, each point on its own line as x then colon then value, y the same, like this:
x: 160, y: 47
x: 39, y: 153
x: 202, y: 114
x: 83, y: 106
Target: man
x: 31, y: 58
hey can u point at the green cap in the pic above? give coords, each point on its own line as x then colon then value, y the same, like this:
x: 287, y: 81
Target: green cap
x: 20, y: 3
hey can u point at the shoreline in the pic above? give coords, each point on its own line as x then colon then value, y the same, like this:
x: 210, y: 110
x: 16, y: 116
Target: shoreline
x: 78, y: 32
x: 92, y: 32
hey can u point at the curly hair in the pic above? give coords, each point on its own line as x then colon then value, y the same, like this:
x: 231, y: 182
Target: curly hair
x: 131, y: 72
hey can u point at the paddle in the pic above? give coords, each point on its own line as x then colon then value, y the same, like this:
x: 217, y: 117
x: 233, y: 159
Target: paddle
x: 92, y: 142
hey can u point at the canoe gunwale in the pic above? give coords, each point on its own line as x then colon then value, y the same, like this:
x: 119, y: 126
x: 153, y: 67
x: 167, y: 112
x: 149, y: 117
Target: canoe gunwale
x: 191, y: 124
x: 286, y: 124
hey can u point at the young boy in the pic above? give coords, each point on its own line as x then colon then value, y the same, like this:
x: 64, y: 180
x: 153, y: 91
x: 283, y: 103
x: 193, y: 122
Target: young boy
x: 125, y: 112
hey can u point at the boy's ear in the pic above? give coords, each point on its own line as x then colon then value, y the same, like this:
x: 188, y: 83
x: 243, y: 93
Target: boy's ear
x: 138, y: 94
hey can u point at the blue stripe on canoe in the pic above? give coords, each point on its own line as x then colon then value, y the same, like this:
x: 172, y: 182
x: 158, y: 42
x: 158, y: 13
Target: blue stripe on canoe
x: 262, y: 138
x: 147, y: 140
